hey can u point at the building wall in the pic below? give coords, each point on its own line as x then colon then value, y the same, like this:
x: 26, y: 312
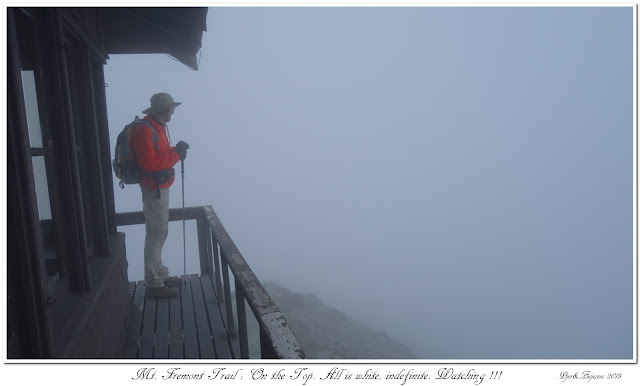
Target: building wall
x: 67, y: 267
x: 102, y: 331
x: 67, y: 276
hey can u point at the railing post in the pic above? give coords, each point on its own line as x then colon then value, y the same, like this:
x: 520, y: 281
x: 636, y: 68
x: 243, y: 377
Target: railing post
x: 209, y: 242
x: 216, y: 264
x: 227, y: 297
x: 242, y: 323
x: 204, y: 239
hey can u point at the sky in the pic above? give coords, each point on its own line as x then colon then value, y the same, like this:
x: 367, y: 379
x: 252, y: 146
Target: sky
x: 459, y: 178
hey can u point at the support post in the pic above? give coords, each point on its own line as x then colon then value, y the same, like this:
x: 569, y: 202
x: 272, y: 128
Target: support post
x: 242, y: 323
x: 227, y: 298
x: 204, y: 238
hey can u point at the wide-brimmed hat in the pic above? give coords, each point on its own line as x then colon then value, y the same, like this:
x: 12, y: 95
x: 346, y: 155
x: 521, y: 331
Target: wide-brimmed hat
x: 159, y: 102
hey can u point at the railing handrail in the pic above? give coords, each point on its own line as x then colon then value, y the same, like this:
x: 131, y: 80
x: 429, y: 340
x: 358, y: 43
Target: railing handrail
x: 264, y: 308
x: 282, y: 342
x: 175, y: 214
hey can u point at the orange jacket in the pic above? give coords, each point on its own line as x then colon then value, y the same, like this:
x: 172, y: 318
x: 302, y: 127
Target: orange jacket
x: 150, y: 159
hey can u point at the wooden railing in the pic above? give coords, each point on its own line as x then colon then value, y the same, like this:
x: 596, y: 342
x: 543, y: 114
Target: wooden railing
x: 218, y: 256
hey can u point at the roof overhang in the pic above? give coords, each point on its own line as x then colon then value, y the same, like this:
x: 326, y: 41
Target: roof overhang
x: 174, y: 31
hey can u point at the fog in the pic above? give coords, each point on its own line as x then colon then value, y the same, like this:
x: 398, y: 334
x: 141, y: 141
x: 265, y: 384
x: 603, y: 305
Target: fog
x: 460, y: 178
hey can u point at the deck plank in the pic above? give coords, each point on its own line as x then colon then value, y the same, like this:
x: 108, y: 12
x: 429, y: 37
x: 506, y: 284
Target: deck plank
x: 135, y: 321
x: 188, y: 326
x: 189, y: 323
x: 176, y: 338
x: 161, y: 350
x: 147, y: 335
x: 205, y: 341
x: 218, y: 333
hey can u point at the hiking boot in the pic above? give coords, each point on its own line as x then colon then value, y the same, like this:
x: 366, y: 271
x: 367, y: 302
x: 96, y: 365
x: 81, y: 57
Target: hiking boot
x: 173, y: 281
x: 162, y: 292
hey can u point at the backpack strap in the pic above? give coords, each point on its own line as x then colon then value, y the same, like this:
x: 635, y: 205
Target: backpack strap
x: 154, y: 136
x: 154, y: 132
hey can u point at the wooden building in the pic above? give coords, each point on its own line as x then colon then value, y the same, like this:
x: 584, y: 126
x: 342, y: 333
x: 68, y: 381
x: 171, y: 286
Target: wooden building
x: 68, y: 294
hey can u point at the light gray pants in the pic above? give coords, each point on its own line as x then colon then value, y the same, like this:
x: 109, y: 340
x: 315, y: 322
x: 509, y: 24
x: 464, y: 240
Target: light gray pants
x: 156, y: 221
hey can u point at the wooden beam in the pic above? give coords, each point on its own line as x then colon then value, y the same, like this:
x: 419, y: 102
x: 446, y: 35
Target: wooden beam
x: 94, y: 150
x: 204, y: 246
x: 242, y: 322
x: 137, y: 218
x: 60, y: 121
x: 104, y: 139
x: 78, y: 29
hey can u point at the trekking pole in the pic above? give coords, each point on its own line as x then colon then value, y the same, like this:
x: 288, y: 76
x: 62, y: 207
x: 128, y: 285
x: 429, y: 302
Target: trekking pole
x: 184, y: 242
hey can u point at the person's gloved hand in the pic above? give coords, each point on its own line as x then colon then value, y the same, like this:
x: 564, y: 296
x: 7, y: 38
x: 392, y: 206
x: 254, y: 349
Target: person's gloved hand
x: 181, y: 149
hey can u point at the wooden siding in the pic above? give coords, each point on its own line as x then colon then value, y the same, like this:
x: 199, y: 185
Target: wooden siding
x: 95, y: 326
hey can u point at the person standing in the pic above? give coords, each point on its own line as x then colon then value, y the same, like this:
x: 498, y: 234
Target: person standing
x: 157, y: 157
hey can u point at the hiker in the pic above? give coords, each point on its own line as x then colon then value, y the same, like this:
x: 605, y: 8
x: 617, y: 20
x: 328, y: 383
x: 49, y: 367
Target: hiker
x: 156, y: 157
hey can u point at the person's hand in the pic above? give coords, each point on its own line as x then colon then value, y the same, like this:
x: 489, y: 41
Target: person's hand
x: 181, y: 149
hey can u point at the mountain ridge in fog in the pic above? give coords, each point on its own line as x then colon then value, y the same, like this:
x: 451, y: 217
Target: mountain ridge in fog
x: 325, y: 332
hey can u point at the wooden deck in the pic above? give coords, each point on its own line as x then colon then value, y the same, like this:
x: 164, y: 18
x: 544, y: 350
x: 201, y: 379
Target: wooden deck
x: 186, y: 327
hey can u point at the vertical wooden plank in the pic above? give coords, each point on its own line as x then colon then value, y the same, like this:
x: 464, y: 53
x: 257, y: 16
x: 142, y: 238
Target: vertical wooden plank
x: 132, y: 342
x: 205, y: 341
x: 234, y: 343
x: 189, y: 321
x: 66, y: 155
x: 103, y: 133
x: 203, y: 234
x: 209, y: 243
x: 147, y: 335
x: 242, y: 323
x: 176, y: 337
x: 231, y: 330
x: 96, y: 157
x: 216, y: 264
x: 216, y: 320
x: 215, y: 283
x: 162, y: 330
